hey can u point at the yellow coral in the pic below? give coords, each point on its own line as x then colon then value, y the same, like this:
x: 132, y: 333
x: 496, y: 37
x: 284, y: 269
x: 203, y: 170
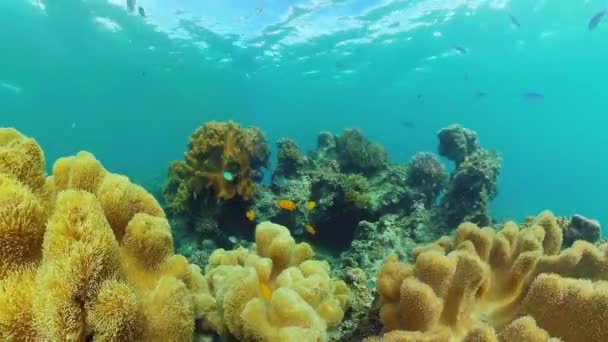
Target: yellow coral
x: 67, y: 273
x: 22, y: 221
x: 277, y: 294
x: 81, y: 171
x: 21, y: 158
x: 484, y: 280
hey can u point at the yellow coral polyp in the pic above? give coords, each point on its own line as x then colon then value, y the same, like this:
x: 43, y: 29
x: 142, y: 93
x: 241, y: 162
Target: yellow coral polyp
x: 510, y: 285
x: 87, y: 255
x: 275, y: 294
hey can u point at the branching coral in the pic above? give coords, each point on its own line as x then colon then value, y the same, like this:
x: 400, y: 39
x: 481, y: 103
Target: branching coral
x: 224, y: 158
x: 87, y: 255
x: 275, y: 294
x: 513, y: 282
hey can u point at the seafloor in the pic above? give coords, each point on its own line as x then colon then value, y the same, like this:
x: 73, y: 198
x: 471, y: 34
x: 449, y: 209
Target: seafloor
x: 335, y: 244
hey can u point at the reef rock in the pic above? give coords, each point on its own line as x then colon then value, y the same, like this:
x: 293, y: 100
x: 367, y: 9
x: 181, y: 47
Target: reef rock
x: 582, y: 228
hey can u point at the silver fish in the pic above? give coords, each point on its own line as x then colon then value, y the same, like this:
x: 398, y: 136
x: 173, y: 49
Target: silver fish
x: 141, y: 11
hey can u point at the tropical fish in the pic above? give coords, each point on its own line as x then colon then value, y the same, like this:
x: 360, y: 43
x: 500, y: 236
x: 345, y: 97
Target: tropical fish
x: 310, y: 205
x: 250, y: 215
x: 371, y: 283
x: 393, y: 25
x: 141, y: 11
x: 460, y: 49
x: 228, y: 176
x: 480, y: 94
x: 408, y: 124
x: 287, y: 205
x: 310, y: 229
x: 514, y: 21
x: 131, y: 5
x: 533, y: 96
x: 339, y: 65
x: 596, y: 19
x: 233, y: 239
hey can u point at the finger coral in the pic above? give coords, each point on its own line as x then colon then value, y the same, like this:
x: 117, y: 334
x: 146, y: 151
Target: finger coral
x: 275, y: 294
x: 223, y: 158
x: 87, y: 255
x: 507, y: 285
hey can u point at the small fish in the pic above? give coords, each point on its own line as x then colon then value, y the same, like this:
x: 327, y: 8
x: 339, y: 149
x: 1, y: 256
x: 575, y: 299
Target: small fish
x: 250, y: 215
x: 310, y: 229
x: 339, y: 65
x: 460, y: 49
x: 228, y: 176
x: 310, y: 205
x: 480, y: 94
x: 259, y: 11
x: 419, y: 96
x: 393, y: 25
x: 514, y: 21
x: 131, y: 5
x: 287, y: 205
x: 533, y: 96
x: 371, y: 283
x: 233, y: 239
x: 596, y: 19
x: 408, y: 124
x: 141, y: 11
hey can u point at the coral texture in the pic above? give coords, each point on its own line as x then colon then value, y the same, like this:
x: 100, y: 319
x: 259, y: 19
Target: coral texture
x: 503, y: 285
x: 223, y: 158
x: 86, y: 255
x: 275, y: 294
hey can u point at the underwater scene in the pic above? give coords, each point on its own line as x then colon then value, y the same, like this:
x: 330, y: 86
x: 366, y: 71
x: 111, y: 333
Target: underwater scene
x: 303, y: 170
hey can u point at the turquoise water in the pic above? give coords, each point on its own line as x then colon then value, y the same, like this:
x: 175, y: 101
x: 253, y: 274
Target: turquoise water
x: 90, y: 75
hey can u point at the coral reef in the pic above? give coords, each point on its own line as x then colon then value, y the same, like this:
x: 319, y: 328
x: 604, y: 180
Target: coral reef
x: 223, y: 160
x: 356, y: 154
x: 275, y: 293
x: 473, y: 183
x: 86, y: 255
x: 510, y: 285
x: 456, y: 143
x: 289, y: 159
x: 426, y: 175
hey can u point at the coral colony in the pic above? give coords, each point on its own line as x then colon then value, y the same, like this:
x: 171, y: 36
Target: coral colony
x: 341, y: 244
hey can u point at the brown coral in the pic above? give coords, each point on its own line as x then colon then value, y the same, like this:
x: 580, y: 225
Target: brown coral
x: 463, y: 288
x: 222, y: 157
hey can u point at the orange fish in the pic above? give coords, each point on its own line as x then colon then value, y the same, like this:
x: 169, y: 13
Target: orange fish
x: 310, y: 205
x: 250, y: 214
x: 287, y: 205
x: 310, y: 229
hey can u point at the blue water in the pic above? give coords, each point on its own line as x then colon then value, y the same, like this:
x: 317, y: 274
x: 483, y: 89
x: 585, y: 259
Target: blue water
x: 89, y: 75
